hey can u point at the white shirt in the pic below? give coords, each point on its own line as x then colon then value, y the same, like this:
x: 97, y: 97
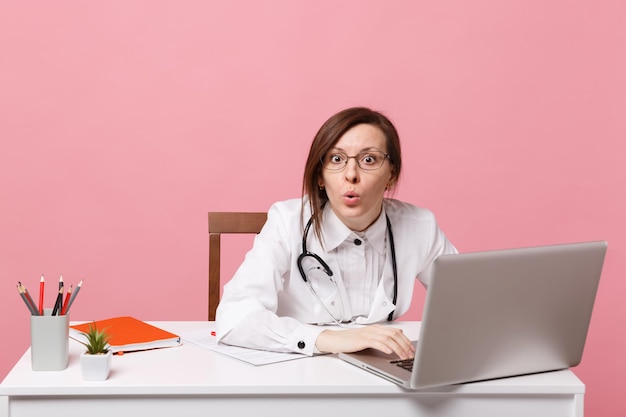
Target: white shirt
x: 267, y: 304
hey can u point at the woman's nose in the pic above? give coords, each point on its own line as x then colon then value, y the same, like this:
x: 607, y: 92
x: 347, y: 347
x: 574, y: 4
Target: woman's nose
x: 351, y: 171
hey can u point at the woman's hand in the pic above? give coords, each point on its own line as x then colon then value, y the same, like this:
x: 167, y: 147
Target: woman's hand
x: 386, y: 339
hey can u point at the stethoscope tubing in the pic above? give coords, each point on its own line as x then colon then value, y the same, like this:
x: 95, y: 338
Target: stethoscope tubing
x: 305, y: 253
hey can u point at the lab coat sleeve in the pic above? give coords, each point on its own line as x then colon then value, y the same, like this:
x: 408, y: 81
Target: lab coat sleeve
x: 440, y: 245
x: 246, y: 315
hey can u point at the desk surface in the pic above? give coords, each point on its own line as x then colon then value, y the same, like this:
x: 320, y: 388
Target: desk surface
x: 188, y: 371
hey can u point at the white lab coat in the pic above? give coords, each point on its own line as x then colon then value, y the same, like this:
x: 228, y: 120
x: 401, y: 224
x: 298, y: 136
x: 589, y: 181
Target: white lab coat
x: 267, y: 305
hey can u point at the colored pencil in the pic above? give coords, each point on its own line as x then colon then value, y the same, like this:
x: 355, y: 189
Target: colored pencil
x: 31, y: 307
x: 66, y: 302
x: 29, y: 298
x: 73, y: 297
x: 57, y: 304
x: 42, y: 285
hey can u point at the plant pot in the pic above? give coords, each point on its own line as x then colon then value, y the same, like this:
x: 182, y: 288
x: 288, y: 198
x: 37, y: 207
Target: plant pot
x: 95, y: 367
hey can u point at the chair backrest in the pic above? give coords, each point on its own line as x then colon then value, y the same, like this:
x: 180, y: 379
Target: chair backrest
x: 225, y: 222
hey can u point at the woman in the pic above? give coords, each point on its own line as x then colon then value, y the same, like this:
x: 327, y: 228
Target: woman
x: 327, y: 267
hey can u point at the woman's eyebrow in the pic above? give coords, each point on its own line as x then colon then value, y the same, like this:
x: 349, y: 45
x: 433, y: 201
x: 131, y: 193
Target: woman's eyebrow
x: 369, y: 148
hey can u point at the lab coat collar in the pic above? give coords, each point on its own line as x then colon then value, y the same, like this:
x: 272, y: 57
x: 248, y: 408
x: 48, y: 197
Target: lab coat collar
x: 335, y: 232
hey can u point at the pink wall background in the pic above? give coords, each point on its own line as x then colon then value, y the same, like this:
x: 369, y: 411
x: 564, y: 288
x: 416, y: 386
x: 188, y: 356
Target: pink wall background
x: 122, y: 123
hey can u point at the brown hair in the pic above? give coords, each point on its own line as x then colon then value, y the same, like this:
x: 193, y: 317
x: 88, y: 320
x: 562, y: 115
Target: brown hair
x: 328, y: 135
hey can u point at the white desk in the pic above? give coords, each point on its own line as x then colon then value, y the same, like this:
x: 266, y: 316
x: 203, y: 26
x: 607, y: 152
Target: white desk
x: 192, y: 381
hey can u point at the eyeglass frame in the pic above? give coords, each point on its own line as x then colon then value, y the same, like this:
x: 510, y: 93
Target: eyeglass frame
x: 356, y: 158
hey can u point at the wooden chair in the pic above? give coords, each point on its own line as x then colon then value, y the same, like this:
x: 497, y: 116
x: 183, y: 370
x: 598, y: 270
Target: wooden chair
x: 225, y: 222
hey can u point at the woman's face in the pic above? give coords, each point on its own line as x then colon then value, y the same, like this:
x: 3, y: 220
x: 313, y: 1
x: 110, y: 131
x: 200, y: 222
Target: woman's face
x: 356, y: 195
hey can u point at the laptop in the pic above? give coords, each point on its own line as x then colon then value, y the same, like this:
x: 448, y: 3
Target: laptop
x: 497, y: 314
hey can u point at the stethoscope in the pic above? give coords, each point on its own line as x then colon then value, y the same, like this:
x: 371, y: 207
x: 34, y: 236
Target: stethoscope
x: 305, y: 253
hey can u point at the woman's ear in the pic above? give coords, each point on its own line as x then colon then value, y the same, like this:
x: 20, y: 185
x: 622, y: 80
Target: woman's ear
x: 390, y: 184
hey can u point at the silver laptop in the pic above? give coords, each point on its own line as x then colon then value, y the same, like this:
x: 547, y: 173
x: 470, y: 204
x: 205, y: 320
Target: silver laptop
x: 497, y: 314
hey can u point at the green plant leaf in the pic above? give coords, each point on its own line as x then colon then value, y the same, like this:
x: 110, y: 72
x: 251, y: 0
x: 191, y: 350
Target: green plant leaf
x: 97, y: 340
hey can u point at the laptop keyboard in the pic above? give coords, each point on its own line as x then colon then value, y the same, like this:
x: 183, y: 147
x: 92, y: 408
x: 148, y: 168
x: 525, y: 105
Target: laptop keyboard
x: 404, y: 363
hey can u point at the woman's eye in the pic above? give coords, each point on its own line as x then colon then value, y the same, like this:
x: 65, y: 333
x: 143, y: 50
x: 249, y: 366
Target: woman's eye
x: 368, y: 159
x: 336, y: 159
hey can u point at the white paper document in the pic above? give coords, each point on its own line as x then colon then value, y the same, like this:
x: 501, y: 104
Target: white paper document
x: 205, y: 340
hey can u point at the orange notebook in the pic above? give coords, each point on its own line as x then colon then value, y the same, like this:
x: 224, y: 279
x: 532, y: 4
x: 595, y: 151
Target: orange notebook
x: 128, y: 334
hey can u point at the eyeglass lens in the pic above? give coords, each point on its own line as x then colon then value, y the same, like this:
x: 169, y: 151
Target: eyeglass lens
x: 368, y: 161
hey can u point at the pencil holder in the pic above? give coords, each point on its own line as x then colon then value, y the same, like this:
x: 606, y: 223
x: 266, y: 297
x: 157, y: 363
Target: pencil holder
x: 49, y: 342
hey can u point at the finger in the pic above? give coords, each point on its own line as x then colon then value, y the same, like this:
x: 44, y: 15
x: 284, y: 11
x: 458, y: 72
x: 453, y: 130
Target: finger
x: 394, y: 341
x: 402, y: 346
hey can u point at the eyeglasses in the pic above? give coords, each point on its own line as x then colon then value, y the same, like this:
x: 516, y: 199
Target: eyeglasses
x: 366, y: 160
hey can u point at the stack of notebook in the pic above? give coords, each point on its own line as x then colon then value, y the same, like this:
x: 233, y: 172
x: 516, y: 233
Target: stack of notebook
x: 128, y: 334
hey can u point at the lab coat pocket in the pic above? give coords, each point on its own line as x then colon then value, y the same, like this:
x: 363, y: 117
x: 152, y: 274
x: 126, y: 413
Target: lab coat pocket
x: 326, y: 301
x: 381, y: 307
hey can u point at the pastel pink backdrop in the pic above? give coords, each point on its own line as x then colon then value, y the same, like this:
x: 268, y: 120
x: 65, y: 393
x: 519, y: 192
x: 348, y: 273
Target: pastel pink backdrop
x: 122, y: 123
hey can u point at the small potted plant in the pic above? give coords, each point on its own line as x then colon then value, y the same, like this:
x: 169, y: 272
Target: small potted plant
x: 95, y: 363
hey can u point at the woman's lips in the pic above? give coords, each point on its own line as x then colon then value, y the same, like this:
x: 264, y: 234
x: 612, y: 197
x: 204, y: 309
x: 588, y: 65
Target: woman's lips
x: 351, y: 199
